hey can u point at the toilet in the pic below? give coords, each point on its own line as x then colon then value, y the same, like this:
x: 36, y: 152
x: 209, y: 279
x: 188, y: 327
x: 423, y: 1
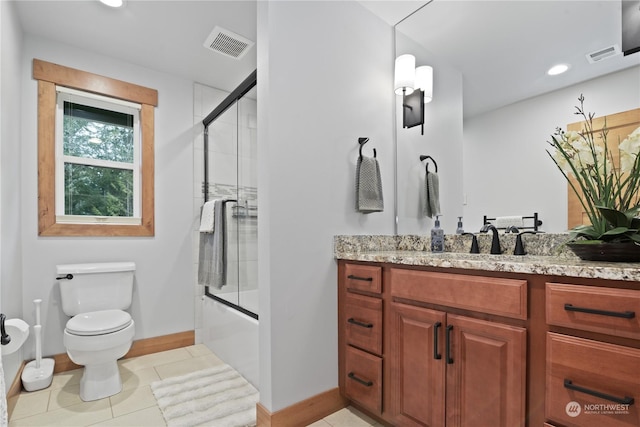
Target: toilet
x: 99, y: 332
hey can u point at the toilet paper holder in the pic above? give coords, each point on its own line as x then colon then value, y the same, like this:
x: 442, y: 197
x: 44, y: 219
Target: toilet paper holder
x: 5, y: 339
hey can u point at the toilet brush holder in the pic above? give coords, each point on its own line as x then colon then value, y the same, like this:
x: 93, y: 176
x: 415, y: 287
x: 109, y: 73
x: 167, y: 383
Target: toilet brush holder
x: 38, y: 373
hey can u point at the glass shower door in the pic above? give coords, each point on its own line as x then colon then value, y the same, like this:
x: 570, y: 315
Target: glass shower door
x: 247, y: 206
x: 231, y: 170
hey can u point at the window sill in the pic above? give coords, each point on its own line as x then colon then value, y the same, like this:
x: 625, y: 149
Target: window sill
x: 100, y: 230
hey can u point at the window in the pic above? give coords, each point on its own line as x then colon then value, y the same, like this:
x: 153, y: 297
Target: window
x: 95, y: 154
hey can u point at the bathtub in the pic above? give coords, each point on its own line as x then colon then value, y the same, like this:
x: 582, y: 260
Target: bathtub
x: 233, y: 335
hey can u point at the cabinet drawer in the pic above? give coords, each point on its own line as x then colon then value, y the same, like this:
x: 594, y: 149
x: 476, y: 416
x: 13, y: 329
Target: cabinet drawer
x: 591, y: 308
x: 591, y: 383
x: 492, y: 295
x: 363, y: 278
x: 363, y: 382
x: 363, y: 322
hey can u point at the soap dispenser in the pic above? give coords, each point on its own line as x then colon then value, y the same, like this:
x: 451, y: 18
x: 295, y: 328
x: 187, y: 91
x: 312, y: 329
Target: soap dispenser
x: 459, y: 230
x: 437, y: 237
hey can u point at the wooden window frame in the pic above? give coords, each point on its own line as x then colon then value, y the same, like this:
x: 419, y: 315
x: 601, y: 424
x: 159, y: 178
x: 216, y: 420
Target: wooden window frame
x: 48, y: 76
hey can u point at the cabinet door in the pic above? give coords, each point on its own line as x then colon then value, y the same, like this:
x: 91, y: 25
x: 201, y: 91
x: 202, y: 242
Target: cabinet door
x: 486, y: 373
x: 417, y: 366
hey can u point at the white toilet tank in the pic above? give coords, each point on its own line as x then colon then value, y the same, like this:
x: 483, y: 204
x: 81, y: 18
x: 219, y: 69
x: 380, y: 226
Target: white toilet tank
x: 96, y: 286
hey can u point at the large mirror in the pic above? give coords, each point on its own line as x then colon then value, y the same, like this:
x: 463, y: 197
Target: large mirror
x: 494, y: 105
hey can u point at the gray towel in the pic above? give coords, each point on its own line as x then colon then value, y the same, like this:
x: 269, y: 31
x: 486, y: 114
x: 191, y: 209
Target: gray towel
x: 432, y: 195
x: 212, y: 256
x: 368, y: 186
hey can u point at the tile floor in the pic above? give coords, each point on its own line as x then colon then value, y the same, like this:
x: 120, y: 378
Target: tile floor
x: 135, y: 406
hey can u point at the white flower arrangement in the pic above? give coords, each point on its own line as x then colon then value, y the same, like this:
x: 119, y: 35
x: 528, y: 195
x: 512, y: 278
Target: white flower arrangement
x: 610, y: 195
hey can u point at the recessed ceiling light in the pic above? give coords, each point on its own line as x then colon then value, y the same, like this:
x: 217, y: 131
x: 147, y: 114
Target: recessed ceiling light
x: 113, y: 3
x: 557, y: 69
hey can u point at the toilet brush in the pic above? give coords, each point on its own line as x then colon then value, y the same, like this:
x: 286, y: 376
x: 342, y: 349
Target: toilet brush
x: 38, y: 373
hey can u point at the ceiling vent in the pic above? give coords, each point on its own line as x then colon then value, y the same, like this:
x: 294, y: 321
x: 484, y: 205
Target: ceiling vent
x: 601, y: 54
x: 228, y: 43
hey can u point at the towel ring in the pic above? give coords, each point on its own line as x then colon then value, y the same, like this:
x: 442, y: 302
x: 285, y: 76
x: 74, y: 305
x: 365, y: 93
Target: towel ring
x: 423, y: 157
x: 363, y: 140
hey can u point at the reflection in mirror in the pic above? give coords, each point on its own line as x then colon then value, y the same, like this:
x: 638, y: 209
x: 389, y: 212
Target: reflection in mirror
x: 494, y: 105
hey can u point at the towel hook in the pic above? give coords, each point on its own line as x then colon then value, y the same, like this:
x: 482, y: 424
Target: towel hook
x: 423, y: 157
x: 363, y: 140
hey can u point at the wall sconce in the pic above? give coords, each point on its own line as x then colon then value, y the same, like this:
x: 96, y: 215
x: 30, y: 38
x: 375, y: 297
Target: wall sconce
x: 416, y: 87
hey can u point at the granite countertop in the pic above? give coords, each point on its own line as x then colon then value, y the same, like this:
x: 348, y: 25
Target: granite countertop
x: 546, y: 256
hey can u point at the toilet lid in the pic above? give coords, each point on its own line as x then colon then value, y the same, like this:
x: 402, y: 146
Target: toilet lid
x: 98, y: 322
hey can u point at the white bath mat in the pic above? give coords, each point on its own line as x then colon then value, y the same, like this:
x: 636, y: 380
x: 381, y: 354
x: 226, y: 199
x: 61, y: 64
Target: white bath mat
x: 214, y: 397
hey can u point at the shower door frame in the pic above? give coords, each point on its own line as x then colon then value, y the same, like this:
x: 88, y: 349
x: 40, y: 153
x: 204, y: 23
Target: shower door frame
x: 244, y: 87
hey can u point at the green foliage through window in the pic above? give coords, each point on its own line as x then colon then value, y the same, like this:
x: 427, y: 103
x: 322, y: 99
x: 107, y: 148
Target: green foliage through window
x: 98, y: 191
x: 92, y: 137
x: 94, y: 133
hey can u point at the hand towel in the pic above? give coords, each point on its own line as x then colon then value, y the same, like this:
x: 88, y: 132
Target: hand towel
x: 508, y: 221
x: 432, y: 195
x: 212, y: 256
x: 206, y: 217
x: 368, y: 186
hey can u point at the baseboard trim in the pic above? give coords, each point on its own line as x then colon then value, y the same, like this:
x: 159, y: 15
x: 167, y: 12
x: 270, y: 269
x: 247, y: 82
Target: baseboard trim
x: 302, y: 413
x: 138, y: 348
x: 15, y: 389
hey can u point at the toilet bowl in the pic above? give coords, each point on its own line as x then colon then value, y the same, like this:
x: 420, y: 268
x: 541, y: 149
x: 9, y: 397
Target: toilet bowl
x: 99, y: 331
x: 97, y: 340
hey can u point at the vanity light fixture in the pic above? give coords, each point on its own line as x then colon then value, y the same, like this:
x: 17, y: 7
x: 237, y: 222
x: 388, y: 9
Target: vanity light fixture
x: 405, y: 74
x: 557, y: 69
x: 416, y: 87
x: 113, y: 3
x: 424, y: 81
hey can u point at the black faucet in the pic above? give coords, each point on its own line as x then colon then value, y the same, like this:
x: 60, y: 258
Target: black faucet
x: 495, y: 241
x: 519, y: 249
x: 5, y: 339
x: 474, y: 243
x: 511, y: 229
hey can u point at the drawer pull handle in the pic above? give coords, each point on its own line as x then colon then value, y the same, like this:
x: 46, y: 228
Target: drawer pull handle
x: 361, y: 381
x: 365, y: 279
x: 623, y: 314
x: 623, y: 401
x: 356, y: 322
x: 448, y: 345
x: 436, y: 355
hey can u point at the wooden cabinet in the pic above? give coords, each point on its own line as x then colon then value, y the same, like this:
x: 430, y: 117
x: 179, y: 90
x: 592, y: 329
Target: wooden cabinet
x: 360, y: 335
x: 436, y: 347
x: 450, y: 369
x: 591, y: 382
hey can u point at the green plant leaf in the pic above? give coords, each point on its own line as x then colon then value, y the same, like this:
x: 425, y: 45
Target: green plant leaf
x: 635, y: 237
x: 614, y: 217
x: 616, y: 231
x: 587, y: 231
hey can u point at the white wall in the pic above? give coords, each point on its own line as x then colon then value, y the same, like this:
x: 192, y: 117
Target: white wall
x: 506, y: 168
x: 442, y: 140
x: 324, y: 79
x: 163, y: 295
x: 10, y: 139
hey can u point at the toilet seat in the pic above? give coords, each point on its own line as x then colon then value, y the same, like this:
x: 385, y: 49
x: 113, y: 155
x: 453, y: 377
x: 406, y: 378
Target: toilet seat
x: 98, y: 322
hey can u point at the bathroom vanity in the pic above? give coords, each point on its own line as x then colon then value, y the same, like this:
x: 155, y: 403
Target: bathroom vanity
x: 459, y: 339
